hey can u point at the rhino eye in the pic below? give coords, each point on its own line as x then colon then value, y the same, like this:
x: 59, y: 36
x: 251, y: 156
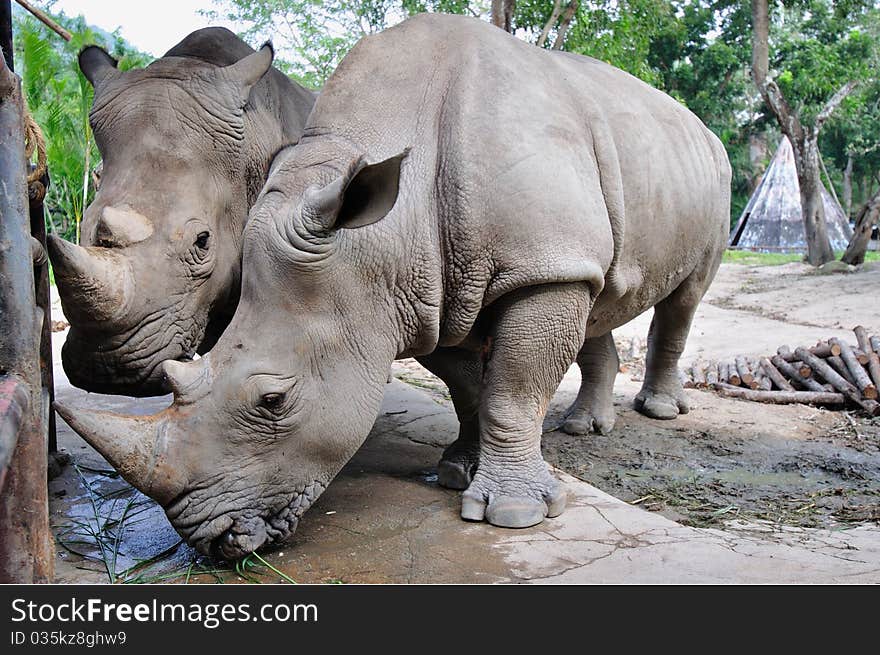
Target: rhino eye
x: 202, y: 240
x: 272, y: 401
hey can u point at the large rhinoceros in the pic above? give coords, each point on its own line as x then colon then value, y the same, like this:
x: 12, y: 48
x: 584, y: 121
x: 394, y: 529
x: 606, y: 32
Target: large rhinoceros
x: 521, y: 204
x: 186, y: 144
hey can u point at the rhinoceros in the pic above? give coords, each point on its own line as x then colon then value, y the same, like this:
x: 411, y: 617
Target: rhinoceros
x: 186, y: 146
x: 489, y: 207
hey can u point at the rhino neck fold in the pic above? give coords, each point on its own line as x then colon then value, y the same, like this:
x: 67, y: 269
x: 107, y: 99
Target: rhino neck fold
x: 410, y: 322
x: 274, y: 117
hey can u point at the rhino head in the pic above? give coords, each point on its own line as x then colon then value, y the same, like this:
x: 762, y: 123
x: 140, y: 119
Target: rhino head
x: 261, y: 424
x: 158, y: 274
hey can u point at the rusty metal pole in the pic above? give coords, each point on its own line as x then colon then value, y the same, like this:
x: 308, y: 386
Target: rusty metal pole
x: 26, y: 547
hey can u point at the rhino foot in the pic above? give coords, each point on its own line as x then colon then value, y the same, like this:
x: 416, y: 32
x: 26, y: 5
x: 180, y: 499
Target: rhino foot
x: 513, y: 503
x: 660, y: 404
x: 459, y: 464
x: 581, y: 420
x: 454, y: 475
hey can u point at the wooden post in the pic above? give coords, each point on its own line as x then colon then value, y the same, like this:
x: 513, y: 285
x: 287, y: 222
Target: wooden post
x: 685, y: 379
x: 862, y: 339
x: 823, y: 350
x: 712, y: 374
x: 847, y: 389
x: 840, y: 368
x: 857, y: 373
x: 865, y: 346
x: 745, y: 373
x: 26, y: 546
x: 805, y: 370
x: 775, y: 376
x: 795, y: 376
x: 732, y: 374
x: 781, y: 397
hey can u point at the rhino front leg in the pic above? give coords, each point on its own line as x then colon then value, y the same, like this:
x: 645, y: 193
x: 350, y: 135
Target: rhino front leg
x: 593, y: 409
x: 462, y: 371
x: 662, y: 395
x: 536, y: 334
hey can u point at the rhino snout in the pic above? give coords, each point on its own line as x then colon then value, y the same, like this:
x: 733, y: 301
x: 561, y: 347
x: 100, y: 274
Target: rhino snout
x: 230, y: 537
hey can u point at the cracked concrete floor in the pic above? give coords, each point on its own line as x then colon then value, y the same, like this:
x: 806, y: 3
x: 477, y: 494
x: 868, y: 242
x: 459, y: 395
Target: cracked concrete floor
x: 385, y: 519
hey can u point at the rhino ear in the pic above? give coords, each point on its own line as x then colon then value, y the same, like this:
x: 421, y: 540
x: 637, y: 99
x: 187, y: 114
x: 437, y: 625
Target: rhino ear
x: 96, y: 64
x: 362, y: 197
x: 245, y: 73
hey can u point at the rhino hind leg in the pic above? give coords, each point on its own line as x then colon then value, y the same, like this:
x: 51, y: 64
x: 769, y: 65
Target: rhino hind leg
x: 662, y: 396
x: 593, y: 409
x: 536, y: 335
x: 462, y: 371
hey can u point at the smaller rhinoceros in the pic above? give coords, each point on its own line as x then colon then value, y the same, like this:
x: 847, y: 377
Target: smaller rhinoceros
x: 465, y: 198
x: 186, y: 146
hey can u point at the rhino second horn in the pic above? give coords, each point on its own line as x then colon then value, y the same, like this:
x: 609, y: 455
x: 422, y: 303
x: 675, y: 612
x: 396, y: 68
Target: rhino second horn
x: 134, y: 446
x: 188, y: 380
x: 94, y: 283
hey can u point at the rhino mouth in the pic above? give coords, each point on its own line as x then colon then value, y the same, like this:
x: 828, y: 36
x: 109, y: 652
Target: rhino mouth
x: 232, y: 535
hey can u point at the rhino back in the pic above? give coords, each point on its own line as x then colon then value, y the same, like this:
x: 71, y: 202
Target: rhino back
x: 540, y: 167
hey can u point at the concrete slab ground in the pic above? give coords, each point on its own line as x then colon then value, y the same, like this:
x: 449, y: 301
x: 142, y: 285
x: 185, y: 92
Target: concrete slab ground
x: 385, y: 519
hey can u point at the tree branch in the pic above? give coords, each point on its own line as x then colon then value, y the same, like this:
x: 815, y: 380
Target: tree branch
x: 502, y: 14
x: 788, y: 120
x: 44, y: 18
x: 565, y: 23
x: 554, y: 16
x: 833, y: 103
x: 760, y: 41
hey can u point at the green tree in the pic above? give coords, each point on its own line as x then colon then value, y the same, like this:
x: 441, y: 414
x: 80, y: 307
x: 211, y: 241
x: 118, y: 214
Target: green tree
x: 59, y: 98
x: 698, y: 51
x: 821, y: 53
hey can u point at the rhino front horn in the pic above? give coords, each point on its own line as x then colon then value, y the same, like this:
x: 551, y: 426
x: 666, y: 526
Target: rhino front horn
x: 134, y: 445
x: 94, y: 283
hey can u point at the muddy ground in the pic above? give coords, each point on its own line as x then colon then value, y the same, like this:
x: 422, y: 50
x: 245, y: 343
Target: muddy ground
x: 730, y: 459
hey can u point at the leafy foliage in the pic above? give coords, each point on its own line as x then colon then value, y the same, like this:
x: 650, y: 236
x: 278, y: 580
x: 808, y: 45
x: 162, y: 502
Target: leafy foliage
x: 59, y: 97
x: 698, y: 51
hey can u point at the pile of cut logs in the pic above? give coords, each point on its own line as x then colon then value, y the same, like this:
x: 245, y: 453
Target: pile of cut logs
x: 831, y: 373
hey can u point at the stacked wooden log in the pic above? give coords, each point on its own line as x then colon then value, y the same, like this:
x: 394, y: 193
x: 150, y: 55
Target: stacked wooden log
x: 832, y: 373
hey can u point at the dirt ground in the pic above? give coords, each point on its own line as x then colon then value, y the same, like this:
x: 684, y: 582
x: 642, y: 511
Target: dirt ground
x: 727, y: 464
x: 729, y: 459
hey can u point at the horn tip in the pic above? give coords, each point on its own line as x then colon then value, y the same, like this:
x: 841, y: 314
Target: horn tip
x: 62, y: 409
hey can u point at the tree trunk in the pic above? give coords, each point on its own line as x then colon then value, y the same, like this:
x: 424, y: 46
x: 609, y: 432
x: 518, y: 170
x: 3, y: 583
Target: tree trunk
x: 815, y: 228
x: 565, y: 23
x: 858, y: 245
x: 502, y: 14
x: 804, y: 140
x: 847, y: 187
x: 757, y: 158
x: 551, y: 22
x: 760, y: 41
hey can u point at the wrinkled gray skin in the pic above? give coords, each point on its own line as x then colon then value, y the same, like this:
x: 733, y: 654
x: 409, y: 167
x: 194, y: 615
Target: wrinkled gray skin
x: 186, y: 146
x: 495, y: 260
